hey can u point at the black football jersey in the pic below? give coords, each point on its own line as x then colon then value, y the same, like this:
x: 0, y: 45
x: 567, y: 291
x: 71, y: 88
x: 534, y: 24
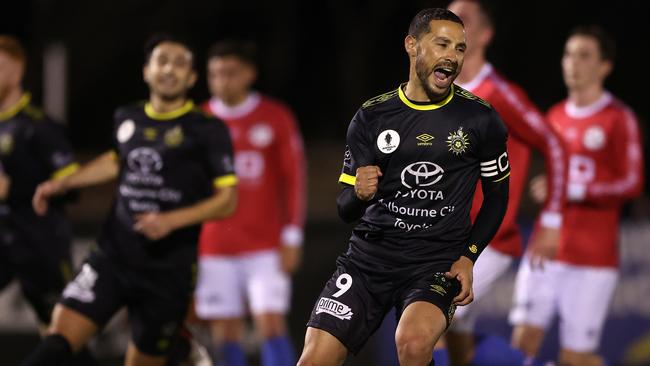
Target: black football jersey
x: 431, y: 156
x: 167, y: 161
x: 33, y: 149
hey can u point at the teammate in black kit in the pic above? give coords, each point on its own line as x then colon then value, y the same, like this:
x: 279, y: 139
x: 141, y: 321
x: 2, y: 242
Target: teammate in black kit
x: 168, y: 159
x: 33, y: 249
x: 413, y: 159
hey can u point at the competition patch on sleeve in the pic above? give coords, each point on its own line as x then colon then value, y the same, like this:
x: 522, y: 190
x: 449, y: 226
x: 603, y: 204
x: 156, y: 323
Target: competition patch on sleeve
x: 496, y: 169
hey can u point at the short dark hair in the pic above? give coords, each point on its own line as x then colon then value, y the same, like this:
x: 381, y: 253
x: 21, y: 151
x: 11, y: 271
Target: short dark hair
x: 605, y: 41
x: 420, y: 23
x: 159, y: 38
x: 244, y: 50
x: 12, y: 46
x: 487, y: 11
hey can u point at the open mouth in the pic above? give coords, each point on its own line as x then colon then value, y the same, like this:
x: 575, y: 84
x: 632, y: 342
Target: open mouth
x: 443, y: 73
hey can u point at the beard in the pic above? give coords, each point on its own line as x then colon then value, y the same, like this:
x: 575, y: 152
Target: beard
x: 423, y: 73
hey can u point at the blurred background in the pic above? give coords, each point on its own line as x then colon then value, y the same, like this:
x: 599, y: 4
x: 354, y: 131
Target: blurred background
x: 324, y: 59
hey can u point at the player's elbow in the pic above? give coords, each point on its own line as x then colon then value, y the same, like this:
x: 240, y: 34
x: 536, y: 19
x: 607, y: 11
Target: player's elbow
x: 224, y: 203
x: 347, y: 215
x: 231, y: 203
x: 350, y: 209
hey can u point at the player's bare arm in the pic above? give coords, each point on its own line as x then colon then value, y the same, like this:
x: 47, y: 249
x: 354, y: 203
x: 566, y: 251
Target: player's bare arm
x: 156, y: 225
x: 100, y: 170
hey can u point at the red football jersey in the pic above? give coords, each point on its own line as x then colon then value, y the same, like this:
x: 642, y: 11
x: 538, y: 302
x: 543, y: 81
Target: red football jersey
x: 605, y: 169
x: 526, y: 128
x: 270, y: 167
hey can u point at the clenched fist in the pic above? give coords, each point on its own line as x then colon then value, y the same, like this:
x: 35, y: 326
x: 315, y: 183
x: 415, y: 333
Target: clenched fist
x: 367, y: 180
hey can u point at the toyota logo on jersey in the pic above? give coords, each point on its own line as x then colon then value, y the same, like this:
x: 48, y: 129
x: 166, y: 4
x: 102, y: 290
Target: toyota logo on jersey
x: 144, y: 160
x: 421, y: 174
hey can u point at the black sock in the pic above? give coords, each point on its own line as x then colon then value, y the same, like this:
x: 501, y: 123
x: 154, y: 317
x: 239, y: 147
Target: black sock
x: 54, y: 350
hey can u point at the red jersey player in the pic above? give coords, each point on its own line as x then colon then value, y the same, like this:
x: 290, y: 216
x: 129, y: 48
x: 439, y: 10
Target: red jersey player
x: 527, y: 129
x: 601, y: 137
x: 250, y: 255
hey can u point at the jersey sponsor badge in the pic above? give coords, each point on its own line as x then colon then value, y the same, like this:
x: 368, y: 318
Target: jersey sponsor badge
x: 458, y: 141
x: 125, y: 131
x: 82, y: 287
x: 388, y: 141
x: 144, y: 160
x: 334, y: 308
x: 424, y: 139
x: 260, y: 135
x: 594, y: 138
x: 421, y: 174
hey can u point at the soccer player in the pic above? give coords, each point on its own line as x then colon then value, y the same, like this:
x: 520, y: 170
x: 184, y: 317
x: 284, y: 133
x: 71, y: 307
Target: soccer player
x: 527, y: 129
x: 601, y: 136
x: 246, y: 260
x: 413, y: 159
x: 174, y: 169
x: 35, y: 250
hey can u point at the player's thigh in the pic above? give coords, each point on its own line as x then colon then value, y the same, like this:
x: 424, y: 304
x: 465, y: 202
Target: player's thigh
x: 535, y: 294
x: 583, y: 305
x: 268, y: 287
x: 347, y: 309
x: 421, y: 325
x: 219, y: 290
x: 41, y: 281
x: 95, y: 293
x: 157, y: 308
x: 489, y: 267
x: 74, y: 326
x: 431, y: 297
x: 322, y: 349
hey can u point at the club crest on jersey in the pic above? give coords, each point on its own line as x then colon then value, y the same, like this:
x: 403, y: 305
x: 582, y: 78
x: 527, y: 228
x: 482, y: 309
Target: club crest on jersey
x: 6, y: 143
x: 388, y: 141
x: 174, y: 136
x: 260, y: 135
x: 594, y: 138
x: 125, y: 131
x: 458, y: 141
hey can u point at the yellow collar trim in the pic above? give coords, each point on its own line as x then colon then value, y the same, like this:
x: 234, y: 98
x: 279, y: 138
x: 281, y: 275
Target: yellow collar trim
x: 425, y: 107
x: 14, y: 109
x: 164, y: 116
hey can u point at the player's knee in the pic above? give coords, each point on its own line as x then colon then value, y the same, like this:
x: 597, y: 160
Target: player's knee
x: 527, y: 339
x: 413, y: 344
x: 270, y: 325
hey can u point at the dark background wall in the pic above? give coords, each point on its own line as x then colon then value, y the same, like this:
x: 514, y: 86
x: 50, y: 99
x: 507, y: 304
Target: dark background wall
x: 323, y: 58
